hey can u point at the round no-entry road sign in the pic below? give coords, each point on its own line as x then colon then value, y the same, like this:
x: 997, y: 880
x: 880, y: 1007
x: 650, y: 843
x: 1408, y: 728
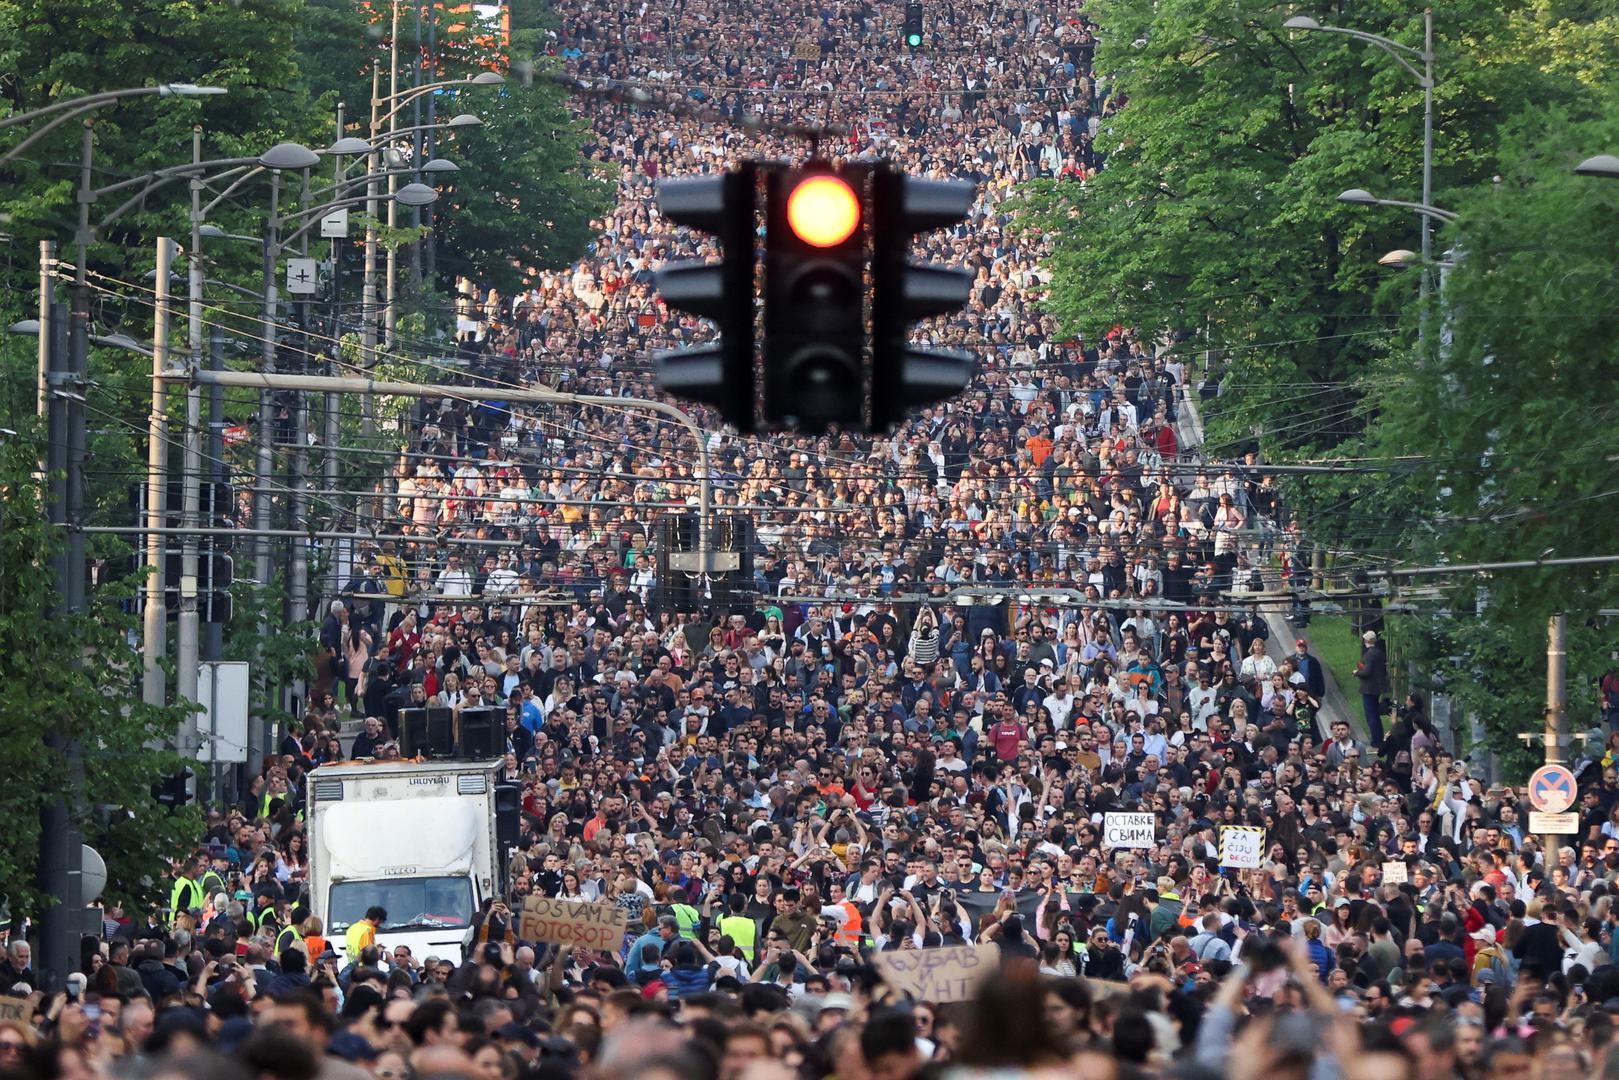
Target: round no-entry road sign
x: 1551, y: 789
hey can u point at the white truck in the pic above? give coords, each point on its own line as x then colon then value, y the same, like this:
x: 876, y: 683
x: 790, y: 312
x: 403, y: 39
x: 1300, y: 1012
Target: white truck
x: 415, y: 838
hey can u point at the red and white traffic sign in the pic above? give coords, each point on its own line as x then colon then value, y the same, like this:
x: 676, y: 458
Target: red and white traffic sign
x: 1552, y: 789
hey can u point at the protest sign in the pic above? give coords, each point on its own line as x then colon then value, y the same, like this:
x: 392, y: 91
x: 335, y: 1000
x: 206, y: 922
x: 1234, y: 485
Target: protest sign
x: 18, y: 1009
x: 1241, y: 846
x: 560, y: 922
x: 1129, y: 830
x: 938, y: 975
x: 1395, y: 873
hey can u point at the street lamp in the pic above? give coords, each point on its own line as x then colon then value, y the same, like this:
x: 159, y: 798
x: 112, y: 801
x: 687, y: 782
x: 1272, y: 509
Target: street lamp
x: 1362, y: 197
x: 396, y: 100
x: 1400, y: 54
x: 1405, y: 258
x: 78, y: 106
x: 1601, y: 165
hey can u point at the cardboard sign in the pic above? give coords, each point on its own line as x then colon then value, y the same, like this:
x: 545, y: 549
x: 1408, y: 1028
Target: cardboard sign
x: 1129, y: 830
x: 1395, y: 873
x: 561, y: 922
x: 15, y: 1008
x: 938, y: 975
x: 1242, y: 846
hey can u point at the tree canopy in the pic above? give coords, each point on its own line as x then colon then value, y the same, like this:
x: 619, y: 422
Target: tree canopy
x: 1215, y: 225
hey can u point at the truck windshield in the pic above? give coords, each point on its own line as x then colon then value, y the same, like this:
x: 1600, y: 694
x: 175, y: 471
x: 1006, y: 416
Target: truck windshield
x: 435, y: 903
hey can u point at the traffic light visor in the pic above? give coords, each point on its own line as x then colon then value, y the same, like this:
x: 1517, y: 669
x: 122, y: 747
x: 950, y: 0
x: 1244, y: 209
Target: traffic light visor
x: 823, y: 211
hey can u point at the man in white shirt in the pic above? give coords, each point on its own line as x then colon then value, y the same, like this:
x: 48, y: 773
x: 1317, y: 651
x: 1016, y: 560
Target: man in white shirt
x: 1203, y: 700
x: 1060, y: 703
x: 454, y: 580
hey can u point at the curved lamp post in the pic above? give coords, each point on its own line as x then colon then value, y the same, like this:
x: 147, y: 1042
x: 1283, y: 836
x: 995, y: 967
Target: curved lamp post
x: 1402, y: 55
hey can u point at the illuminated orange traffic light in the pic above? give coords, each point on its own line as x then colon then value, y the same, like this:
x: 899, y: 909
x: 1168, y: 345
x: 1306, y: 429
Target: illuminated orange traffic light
x: 823, y: 210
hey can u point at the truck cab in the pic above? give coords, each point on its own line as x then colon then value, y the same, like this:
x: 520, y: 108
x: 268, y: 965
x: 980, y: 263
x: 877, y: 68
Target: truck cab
x: 415, y: 838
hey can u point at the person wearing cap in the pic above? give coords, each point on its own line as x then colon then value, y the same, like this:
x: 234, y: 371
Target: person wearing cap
x: 1373, y: 675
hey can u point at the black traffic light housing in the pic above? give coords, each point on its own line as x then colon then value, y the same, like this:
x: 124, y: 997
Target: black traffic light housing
x: 719, y: 374
x: 912, y: 33
x: 905, y: 378
x: 815, y: 287
x: 174, y: 791
x: 839, y: 292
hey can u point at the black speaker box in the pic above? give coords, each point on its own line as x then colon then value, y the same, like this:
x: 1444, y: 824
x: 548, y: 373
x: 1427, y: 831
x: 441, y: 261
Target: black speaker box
x: 426, y: 732
x: 483, y: 733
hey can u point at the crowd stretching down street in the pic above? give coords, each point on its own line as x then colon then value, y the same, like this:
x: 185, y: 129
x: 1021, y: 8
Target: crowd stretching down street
x: 874, y: 742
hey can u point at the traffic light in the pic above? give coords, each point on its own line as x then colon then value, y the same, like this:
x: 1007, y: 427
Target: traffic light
x: 720, y: 374
x: 816, y: 233
x: 215, y: 573
x: 913, y: 25
x: 906, y: 378
x: 174, y: 791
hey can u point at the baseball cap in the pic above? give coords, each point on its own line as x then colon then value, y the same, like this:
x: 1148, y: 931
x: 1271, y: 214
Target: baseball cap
x: 837, y: 1000
x: 1301, y: 643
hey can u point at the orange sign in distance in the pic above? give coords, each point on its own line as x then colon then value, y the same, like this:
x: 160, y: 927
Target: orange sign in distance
x: 823, y: 211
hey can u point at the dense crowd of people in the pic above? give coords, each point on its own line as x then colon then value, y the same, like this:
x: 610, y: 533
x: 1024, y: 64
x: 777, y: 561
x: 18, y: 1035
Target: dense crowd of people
x: 958, y: 648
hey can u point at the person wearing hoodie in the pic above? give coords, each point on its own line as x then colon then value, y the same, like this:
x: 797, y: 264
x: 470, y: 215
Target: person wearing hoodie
x: 688, y: 974
x: 294, y: 978
x: 159, y: 980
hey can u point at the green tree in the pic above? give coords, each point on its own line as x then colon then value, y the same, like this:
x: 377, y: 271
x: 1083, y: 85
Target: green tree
x: 74, y: 676
x: 1215, y: 218
x: 528, y: 194
x: 53, y: 52
x: 1510, y: 421
x: 525, y: 197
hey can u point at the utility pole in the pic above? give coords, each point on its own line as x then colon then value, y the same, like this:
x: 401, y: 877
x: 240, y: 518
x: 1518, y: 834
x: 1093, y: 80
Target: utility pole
x: 213, y: 633
x: 368, y: 280
x: 187, y: 634
x: 59, y: 850
x: 392, y: 259
x: 264, y: 469
x: 155, y: 621
x: 1556, y: 704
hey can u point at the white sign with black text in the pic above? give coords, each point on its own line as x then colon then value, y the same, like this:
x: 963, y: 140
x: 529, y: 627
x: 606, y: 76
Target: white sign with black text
x: 1129, y: 830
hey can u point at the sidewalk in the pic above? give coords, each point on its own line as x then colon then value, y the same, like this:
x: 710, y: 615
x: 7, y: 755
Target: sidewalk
x: 1334, y: 705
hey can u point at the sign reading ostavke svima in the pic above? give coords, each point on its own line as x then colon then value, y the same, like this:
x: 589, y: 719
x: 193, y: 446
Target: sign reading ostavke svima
x: 560, y: 922
x: 1129, y: 830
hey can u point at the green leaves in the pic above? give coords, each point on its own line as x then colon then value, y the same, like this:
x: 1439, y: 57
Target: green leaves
x: 75, y: 676
x: 525, y: 196
x: 1519, y: 436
